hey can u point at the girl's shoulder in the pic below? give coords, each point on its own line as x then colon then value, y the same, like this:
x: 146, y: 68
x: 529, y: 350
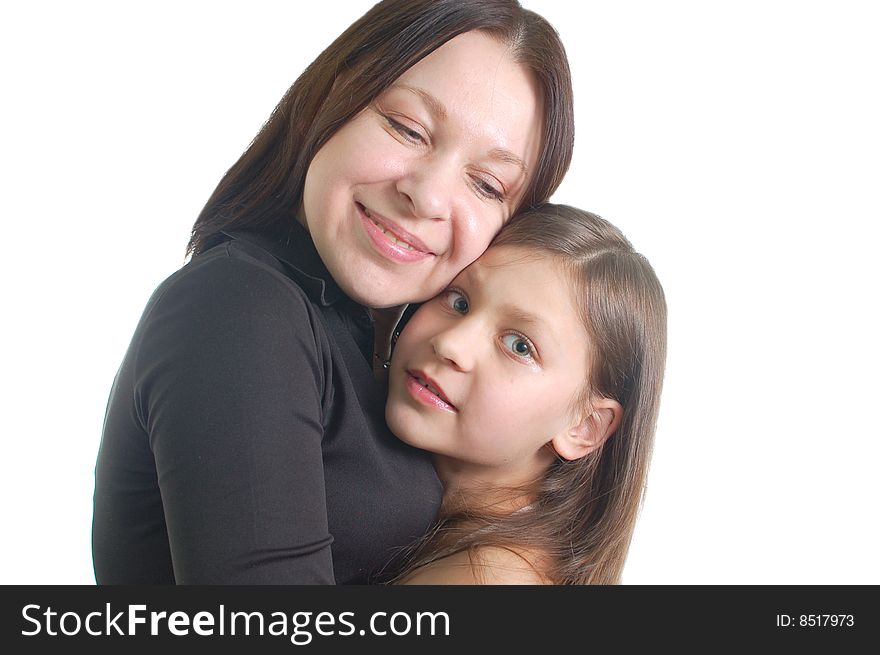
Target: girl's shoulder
x: 485, y: 565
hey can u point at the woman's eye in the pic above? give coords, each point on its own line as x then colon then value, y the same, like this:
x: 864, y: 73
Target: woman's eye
x: 407, y: 133
x: 487, y: 190
x: 456, y: 301
x: 518, y: 345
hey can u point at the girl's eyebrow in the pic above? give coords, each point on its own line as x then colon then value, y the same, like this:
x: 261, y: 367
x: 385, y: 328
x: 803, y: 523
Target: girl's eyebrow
x: 439, y: 111
x: 519, y: 315
x: 476, y: 276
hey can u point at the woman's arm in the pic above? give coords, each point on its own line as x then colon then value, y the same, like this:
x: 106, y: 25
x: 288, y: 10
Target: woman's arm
x: 229, y: 380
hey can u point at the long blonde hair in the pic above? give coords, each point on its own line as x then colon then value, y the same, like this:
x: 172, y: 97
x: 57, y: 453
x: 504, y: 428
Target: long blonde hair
x: 582, y: 512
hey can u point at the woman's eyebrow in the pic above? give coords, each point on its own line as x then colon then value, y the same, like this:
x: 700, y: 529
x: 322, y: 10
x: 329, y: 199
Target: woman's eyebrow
x: 434, y: 105
x: 439, y: 111
x: 508, y: 158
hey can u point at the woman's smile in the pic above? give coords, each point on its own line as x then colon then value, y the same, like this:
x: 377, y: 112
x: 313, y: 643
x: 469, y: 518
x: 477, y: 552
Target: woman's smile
x: 390, y: 240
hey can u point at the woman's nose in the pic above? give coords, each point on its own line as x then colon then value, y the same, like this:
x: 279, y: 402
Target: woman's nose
x: 457, y: 346
x: 428, y: 187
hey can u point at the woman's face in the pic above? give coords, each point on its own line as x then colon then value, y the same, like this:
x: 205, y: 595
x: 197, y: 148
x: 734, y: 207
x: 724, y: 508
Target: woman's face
x: 412, y: 190
x: 505, y: 356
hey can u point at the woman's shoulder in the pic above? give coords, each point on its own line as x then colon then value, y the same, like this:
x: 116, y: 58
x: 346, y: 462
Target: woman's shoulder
x: 484, y: 565
x: 220, y: 305
x: 221, y: 286
x: 242, y: 276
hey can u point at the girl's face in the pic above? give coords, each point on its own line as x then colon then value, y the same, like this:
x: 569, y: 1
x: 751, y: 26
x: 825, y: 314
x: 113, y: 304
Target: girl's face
x: 413, y: 189
x: 504, y: 353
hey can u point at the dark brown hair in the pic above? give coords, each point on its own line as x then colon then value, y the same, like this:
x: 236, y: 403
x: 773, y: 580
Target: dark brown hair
x: 581, y: 513
x: 263, y: 190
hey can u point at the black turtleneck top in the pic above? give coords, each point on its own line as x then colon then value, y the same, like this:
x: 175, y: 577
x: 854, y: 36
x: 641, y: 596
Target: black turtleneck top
x: 245, y: 441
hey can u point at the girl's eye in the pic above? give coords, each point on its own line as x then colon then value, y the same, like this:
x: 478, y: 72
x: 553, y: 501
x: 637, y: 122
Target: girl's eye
x: 456, y: 301
x: 519, y: 345
x: 407, y: 133
x: 487, y: 190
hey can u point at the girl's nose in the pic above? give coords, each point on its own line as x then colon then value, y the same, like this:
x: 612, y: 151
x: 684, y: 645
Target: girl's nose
x: 457, y: 346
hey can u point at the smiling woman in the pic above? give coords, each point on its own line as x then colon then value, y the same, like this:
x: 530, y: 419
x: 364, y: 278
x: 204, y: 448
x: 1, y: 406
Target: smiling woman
x: 410, y: 190
x: 244, y: 440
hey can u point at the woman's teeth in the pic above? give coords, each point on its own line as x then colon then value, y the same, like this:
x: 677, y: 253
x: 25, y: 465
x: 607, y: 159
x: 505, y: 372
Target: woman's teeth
x: 393, y: 237
x: 389, y: 233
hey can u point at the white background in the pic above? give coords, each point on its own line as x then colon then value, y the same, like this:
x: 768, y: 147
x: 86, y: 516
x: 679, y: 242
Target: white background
x: 737, y: 144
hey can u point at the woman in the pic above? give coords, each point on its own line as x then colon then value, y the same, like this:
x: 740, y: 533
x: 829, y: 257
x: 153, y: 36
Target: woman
x: 536, y: 379
x: 244, y: 440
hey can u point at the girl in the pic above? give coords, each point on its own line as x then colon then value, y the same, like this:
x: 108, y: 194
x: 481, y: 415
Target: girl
x: 535, y: 379
x: 244, y: 440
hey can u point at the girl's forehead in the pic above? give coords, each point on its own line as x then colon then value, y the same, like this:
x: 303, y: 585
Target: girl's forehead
x: 519, y: 275
x: 513, y: 260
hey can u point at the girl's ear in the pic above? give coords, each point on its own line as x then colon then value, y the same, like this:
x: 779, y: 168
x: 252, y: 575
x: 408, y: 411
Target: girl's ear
x: 591, y: 431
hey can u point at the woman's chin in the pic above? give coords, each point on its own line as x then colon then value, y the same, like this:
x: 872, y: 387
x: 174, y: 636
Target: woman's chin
x: 384, y: 291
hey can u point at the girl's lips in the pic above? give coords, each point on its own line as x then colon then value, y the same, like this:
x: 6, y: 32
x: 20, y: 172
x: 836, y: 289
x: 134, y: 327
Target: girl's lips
x: 390, y: 240
x: 425, y: 396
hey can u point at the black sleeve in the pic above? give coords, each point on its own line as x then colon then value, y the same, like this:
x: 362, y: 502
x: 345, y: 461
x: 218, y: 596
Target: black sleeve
x: 228, y: 385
